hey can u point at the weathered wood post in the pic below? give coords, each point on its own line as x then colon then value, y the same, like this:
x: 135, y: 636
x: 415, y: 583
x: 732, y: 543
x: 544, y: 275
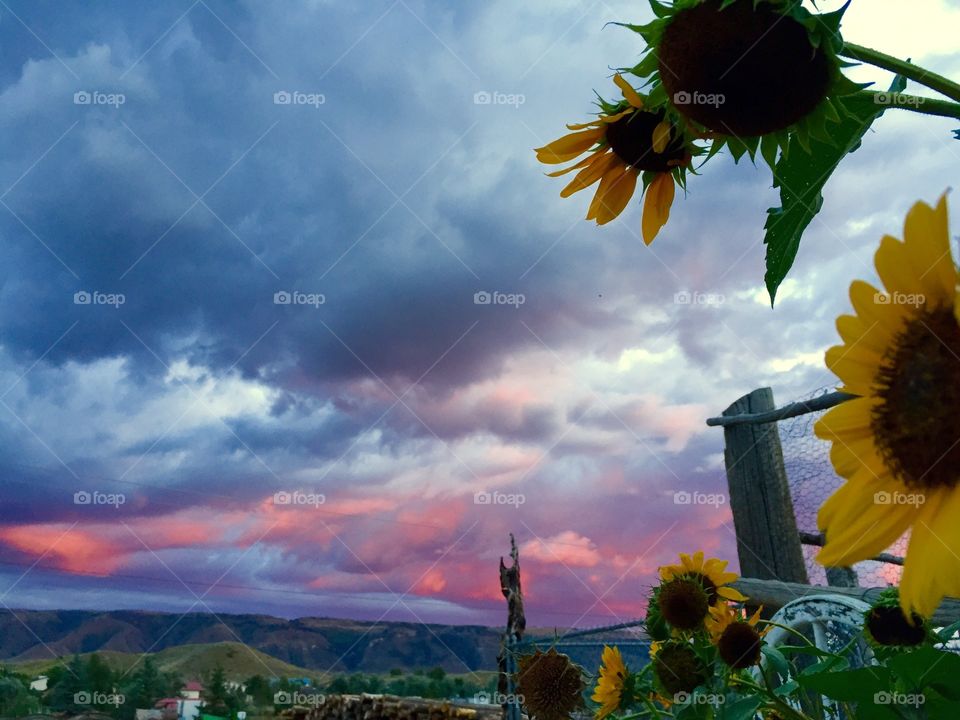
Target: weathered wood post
x: 516, y: 624
x: 768, y: 544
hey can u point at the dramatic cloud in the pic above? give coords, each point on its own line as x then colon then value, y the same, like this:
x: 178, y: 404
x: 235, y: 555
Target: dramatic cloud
x: 242, y: 362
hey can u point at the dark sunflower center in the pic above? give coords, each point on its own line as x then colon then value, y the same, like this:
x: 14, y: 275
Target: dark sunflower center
x: 631, y: 138
x: 739, y: 646
x: 889, y: 626
x: 683, y: 603
x: 709, y: 587
x: 678, y: 669
x: 917, y: 426
x: 741, y: 71
x: 550, y: 684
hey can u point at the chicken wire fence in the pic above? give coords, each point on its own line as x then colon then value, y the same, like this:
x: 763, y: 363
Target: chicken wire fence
x: 812, y: 480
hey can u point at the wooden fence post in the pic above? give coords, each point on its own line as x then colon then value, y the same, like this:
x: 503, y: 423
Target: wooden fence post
x: 767, y: 540
x: 516, y: 624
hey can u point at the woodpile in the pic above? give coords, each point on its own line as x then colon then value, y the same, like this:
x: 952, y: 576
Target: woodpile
x: 391, y: 707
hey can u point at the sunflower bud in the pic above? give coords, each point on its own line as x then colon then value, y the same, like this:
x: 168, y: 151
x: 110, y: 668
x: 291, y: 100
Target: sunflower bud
x: 678, y: 668
x: 886, y: 625
x: 683, y: 603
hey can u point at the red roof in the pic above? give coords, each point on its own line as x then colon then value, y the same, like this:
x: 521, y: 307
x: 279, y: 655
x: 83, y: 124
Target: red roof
x: 166, y: 702
x: 193, y: 685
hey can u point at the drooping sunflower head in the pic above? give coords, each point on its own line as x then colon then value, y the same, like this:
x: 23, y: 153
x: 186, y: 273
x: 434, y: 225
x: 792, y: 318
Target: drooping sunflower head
x: 896, y: 444
x: 709, y: 573
x: 550, y: 684
x: 885, y: 625
x: 736, y: 637
x: 655, y: 624
x: 614, y: 688
x: 626, y: 143
x: 744, y: 68
x: 678, y: 668
x: 683, y: 603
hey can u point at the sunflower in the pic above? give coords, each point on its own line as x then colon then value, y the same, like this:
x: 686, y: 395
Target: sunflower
x: 737, y: 71
x: 710, y: 574
x: 612, y: 681
x: 736, y: 637
x: 678, y: 668
x: 885, y: 625
x: 896, y: 444
x: 550, y: 684
x: 625, y: 142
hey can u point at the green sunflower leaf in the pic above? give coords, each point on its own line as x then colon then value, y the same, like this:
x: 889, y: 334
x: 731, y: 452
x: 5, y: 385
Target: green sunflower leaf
x: 857, y: 685
x: 742, y: 709
x: 659, y: 9
x: 801, y: 176
x: 768, y: 149
x: 646, y: 66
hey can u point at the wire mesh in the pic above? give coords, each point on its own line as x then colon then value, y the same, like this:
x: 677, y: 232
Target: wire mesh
x: 812, y: 480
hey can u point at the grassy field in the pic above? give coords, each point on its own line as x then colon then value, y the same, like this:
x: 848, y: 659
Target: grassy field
x: 192, y: 661
x: 238, y: 661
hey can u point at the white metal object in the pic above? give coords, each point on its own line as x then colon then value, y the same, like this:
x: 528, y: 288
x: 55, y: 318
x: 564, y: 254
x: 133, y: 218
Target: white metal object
x: 833, y: 623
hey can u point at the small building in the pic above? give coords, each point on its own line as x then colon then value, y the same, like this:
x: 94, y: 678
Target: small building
x: 39, y: 683
x: 169, y: 708
x: 192, y: 690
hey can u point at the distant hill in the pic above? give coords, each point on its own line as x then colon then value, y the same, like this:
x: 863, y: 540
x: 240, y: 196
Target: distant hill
x: 191, y: 661
x: 306, y: 644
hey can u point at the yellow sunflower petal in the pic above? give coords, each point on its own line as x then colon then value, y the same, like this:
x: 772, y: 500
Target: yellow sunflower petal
x: 868, y: 304
x: 861, y: 526
x: 893, y: 263
x: 856, y: 333
x: 661, y: 136
x: 629, y: 93
x: 656, y: 206
x: 613, y: 172
x: 590, y: 174
x: 614, y: 198
x: 849, y: 420
x: 855, y: 366
x: 576, y: 166
x: 931, y: 570
x: 569, y: 146
x: 602, y: 120
x: 729, y: 593
x: 927, y: 237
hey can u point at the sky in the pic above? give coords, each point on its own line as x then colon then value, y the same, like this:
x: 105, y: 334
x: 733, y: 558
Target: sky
x: 242, y: 368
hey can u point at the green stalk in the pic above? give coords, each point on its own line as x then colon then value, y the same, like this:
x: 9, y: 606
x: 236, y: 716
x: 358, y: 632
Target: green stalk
x: 781, y: 707
x: 914, y: 103
x: 927, y: 78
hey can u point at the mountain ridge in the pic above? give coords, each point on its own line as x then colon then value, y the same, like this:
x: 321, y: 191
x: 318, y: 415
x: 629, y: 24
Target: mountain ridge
x: 312, y: 642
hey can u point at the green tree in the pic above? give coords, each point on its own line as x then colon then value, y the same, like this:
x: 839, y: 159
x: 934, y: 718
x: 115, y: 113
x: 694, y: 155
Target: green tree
x: 65, y: 683
x: 143, y: 689
x: 220, y: 701
x: 16, y: 699
x: 259, y: 691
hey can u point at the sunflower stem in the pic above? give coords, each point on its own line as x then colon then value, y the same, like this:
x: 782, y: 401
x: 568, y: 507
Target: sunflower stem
x: 917, y: 104
x: 778, y: 704
x: 920, y: 75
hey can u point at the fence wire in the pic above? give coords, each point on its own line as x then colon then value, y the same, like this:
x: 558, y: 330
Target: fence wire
x: 812, y: 480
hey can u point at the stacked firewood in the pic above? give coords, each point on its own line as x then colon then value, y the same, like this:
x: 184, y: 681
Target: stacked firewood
x: 391, y: 707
